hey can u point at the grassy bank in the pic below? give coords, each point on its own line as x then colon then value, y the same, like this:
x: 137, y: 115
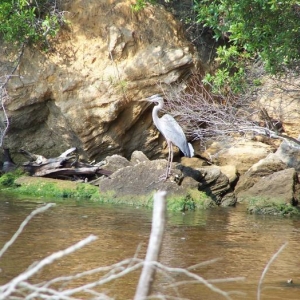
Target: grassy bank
x: 37, y: 187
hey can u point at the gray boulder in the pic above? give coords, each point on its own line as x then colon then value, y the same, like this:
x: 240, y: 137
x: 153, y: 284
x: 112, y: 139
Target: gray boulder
x: 289, y: 153
x: 135, y: 185
x: 278, y: 188
x: 266, y: 166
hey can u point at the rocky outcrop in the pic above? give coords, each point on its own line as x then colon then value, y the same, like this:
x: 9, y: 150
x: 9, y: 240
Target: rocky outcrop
x: 240, y: 153
x: 266, y: 166
x: 84, y: 92
x: 210, y: 180
x: 279, y: 188
x: 280, y: 97
x: 140, y: 178
x: 289, y: 153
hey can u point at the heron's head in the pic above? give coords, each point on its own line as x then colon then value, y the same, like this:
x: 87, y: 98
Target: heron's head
x: 154, y: 99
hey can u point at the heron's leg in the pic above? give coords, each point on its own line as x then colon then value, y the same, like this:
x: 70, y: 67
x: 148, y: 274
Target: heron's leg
x: 171, y: 158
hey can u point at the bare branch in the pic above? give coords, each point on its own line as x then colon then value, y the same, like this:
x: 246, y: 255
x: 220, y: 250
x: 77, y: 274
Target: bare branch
x: 23, y: 224
x: 197, y: 278
x: 10, y: 287
x: 267, y: 268
x: 205, y: 115
x: 4, y: 94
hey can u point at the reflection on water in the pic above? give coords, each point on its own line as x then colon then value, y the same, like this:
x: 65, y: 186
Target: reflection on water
x: 243, y: 243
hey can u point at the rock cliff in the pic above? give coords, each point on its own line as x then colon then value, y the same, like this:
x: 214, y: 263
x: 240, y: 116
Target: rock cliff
x: 84, y: 91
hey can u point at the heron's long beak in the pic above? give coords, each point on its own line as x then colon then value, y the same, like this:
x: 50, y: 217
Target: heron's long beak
x: 150, y: 99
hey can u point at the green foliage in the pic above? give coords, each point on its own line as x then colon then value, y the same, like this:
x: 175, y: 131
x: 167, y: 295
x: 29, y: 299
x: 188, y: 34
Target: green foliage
x: 251, y: 29
x: 192, y: 201
x: 30, y: 22
x: 7, y: 180
x: 272, y: 207
x: 140, y: 4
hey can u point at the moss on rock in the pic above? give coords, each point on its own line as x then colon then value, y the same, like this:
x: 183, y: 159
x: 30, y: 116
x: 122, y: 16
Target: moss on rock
x: 271, y: 207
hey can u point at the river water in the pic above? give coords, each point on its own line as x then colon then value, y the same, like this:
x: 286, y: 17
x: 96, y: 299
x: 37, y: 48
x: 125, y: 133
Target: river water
x: 242, y: 245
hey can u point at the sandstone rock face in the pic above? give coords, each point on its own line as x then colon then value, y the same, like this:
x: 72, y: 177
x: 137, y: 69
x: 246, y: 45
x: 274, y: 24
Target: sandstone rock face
x: 84, y: 93
x: 280, y: 97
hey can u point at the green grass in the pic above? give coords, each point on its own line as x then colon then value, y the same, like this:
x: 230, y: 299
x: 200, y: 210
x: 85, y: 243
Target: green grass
x: 42, y: 188
x: 82, y: 191
x: 271, y: 207
x: 60, y: 189
x: 192, y: 201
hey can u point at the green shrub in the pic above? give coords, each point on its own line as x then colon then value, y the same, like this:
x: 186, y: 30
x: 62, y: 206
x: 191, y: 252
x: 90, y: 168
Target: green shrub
x: 268, y: 30
x: 7, y: 180
x: 30, y: 22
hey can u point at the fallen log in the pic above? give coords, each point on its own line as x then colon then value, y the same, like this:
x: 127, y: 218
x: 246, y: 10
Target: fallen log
x: 65, y: 166
x: 69, y: 171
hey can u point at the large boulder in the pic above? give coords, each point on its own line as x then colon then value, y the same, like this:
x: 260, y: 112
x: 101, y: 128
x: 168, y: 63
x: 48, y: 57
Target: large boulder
x: 210, y: 180
x: 281, y: 187
x: 136, y: 185
x: 84, y: 91
x: 289, y: 153
x: 140, y: 178
x: 266, y: 166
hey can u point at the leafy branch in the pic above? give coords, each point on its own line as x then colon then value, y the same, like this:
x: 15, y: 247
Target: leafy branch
x: 249, y: 30
x: 30, y: 22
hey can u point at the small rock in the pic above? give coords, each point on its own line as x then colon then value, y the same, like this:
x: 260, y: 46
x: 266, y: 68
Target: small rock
x: 137, y: 157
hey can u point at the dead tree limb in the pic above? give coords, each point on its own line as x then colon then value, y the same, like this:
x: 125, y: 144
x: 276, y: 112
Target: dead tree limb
x: 154, y: 246
x: 65, y: 166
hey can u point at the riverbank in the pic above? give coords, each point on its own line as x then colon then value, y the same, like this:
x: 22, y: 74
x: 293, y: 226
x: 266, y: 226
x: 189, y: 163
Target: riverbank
x: 48, y: 189
x: 43, y: 188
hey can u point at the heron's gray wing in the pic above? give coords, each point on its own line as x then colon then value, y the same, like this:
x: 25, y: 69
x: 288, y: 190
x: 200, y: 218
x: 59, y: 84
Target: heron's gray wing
x: 172, y: 131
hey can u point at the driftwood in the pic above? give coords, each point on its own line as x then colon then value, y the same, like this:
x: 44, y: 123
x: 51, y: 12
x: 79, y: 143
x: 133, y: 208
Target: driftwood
x: 65, y: 166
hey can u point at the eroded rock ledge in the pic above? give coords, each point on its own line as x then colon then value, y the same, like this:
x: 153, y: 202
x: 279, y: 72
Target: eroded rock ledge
x: 84, y: 93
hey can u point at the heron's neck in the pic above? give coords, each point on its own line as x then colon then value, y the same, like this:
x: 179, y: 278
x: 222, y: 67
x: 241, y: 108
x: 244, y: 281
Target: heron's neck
x: 155, y: 111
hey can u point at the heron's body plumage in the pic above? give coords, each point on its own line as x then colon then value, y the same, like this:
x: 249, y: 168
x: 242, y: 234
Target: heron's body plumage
x: 171, y: 130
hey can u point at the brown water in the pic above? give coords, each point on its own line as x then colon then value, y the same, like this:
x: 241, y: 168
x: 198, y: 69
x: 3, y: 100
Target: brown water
x: 244, y: 243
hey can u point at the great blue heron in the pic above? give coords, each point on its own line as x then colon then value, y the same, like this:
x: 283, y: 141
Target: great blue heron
x: 171, y: 130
